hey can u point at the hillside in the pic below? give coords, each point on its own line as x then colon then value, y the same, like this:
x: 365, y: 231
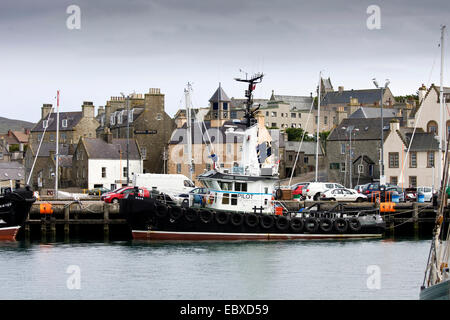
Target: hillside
x: 15, y: 125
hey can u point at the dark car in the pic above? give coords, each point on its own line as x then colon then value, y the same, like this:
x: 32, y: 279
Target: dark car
x: 383, y: 193
x: 98, y: 191
x: 196, y: 194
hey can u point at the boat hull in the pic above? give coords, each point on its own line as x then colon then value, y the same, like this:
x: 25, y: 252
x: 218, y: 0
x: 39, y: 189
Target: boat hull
x: 9, y: 233
x: 440, y: 291
x: 152, y: 220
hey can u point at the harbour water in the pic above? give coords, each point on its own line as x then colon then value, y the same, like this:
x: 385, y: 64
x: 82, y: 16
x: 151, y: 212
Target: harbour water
x: 362, y: 269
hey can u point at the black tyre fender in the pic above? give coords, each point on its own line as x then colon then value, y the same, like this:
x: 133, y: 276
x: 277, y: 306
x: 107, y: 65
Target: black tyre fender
x: 222, y: 217
x: 251, y: 220
x: 175, y: 213
x: 278, y: 194
x: 354, y: 224
x: 340, y: 225
x: 325, y: 224
x: 316, y: 196
x: 237, y: 219
x: 282, y: 223
x: 206, y: 216
x: 297, y: 224
x: 311, y: 225
x: 267, y: 221
x: 161, y: 210
x: 191, y: 215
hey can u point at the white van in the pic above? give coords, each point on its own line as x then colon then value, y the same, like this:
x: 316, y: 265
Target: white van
x: 170, y: 184
x: 315, y: 189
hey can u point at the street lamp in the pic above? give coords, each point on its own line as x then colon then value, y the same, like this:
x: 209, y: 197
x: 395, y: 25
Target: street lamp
x: 375, y: 82
x: 128, y: 136
x: 350, y: 130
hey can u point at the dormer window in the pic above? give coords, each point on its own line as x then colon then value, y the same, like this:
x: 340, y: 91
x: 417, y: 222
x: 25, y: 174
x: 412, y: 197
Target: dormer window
x: 225, y: 106
x: 102, y: 120
x: 113, y: 119
x: 64, y: 123
x: 130, y: 115
x: 45, y: 124
x: 120, y: 117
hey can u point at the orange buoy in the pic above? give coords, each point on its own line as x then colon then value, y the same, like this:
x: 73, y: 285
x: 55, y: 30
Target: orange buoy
x: 279, y: 211
x: 387, y: 206
x: 45, y: 208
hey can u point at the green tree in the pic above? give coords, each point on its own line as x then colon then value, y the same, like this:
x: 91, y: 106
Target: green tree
x: 296, y: 134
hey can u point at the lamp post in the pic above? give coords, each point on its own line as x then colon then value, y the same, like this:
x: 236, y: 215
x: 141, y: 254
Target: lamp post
x: 350, y: 130
x: 382, y: 177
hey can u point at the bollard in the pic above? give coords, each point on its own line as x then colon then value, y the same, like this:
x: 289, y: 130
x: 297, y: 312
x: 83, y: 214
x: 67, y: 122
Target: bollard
x: 66, y: 223
x: 416, y: 219
x: 105, y: 221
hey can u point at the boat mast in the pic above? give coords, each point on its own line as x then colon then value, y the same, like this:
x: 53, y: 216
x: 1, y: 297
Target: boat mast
x: 187, y: 92
x: 57, y: 145
x: 318, y: 127
x: 249, y: 111
x: 441, y: 134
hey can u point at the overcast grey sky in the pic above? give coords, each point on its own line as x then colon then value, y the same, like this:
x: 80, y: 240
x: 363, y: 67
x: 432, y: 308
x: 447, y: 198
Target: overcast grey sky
x: 126, y: 46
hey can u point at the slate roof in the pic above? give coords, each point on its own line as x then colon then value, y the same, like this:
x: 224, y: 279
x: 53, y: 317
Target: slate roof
x: 219, y: 95
x: 365, y: 96
x: 11, y: 171
x: 48, y: 147
x: 373, y: 112
x: 98, y: 148
x: 72, y: 120
x: 369, y: 129
x: 423, y: 141
x: 136, y: 113
x: 296, y: 102
x: 308, y: 147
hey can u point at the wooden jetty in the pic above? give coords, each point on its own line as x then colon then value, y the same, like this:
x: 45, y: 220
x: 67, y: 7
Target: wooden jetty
x: 96, y: 219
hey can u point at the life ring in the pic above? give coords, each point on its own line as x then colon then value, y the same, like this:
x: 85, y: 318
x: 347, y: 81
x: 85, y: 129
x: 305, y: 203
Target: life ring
x: 237, y: 219
x: 354, y: 224
x: 251, y: 220
x: 297, y: 224
x: 191, y: 215
x: 340, y: 225
x: 266, y: 221
x: 325, y: 224
x: 161, y: 211
x: 282, y: 223
x: 222, y: 217
x: 210, y: 198
x: 175, y: 213
x: 311, y: 225
x: 278, y: 194
x: 206, y: 216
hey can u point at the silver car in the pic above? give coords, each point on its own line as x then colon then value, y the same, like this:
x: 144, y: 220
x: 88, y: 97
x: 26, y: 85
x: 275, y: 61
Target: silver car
x: 427, y: 192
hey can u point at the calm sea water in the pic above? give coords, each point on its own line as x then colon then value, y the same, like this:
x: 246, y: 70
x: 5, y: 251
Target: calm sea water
x: 214, y: 270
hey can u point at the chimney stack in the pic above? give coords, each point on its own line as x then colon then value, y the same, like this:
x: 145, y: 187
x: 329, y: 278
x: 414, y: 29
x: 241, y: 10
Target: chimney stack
x: 101, y: 110
x: 45, y: 110
x: 88, y: 109
x: 394, y: 125
x: 341, y: 89
x: 107, y: 135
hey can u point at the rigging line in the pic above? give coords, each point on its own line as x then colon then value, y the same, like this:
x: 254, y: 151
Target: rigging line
x: 301, y: 142
x: 39, y: 147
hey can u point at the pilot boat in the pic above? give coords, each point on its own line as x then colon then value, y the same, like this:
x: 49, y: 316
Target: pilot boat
x: 241, y: 205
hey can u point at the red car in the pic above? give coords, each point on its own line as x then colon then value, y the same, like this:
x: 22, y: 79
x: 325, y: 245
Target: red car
x: 114, y: 196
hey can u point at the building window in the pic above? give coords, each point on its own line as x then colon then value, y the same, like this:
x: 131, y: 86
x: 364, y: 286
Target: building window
x: 432, y: 127
x: 430, y: 159
x: 274, y: 114
x: 102, y: 120
x: 293, y: 125
x: 159, y: 116
x: 225, y: 106
x: 413, y: 160
x: 215, y: 106
x: 394, y: 180
x: 342, y: 148
x: 393, y: 159
x: 267, y: 113
x: 305, y: 160
x: 413, y: 181
x: 360, y: 168
x: 233, y: 114
x: 178, y: 167
x: 125, y: 172
x: 113, y: 119
x: 131, y: 115
x: 293, y: 115
x: 317, y: 118
x: 290, y: 157
x: 52, y: 137
x: 64, y: 123
x: 120, y: 117
x: 39, y: 137
x: 274, y: 124
x: 325, y: 120
x: 342, y: 166
x: 225, y: 114
x: 144, y: 152
x: 103, y: 172
x: 45, y: 124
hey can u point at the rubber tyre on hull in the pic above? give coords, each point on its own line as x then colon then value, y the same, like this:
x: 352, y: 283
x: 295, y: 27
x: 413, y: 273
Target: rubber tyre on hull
x: 311, y: 225
x: 206, y: 216
x: 340, y: 225
x: 251, y: 220
x: 282, y: 223
x: 354, y: 224
x: 267, y: 221
x: 222, y: 217
x: 325, y: 225
x: 297, y: 224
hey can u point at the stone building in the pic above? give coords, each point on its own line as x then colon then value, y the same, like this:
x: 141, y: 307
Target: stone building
x: 13, y: 145
x: 149, y: 125
x: 306, y: 160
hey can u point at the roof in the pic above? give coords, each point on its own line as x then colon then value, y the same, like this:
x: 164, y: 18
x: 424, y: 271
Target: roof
x: 137, y: 111
x: 368, y: 129
x: 308, y: 147
x: 373, y: 112
x: 446, y: 91
x: 65, y: 161
x: 11, y: 171
x: 296, y: 102
x: 219, y: 95
x: 98, y: 148
x: 22, y: 137
x: 48, y: 147
x: 365, y: 96
x: 72, y: 120
x: 423, y: 141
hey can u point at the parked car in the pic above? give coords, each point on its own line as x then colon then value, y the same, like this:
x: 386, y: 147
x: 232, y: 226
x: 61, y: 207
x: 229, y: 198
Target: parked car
x: 103, y: 196
x: 299, y: 190
x: 427, y: 192
x: 315, y: 189
x: 411, y: 194
x: 113, y: 197
x: 360, y: 188
x: 195, y: 194
x: 384, y: 193
x: 343, y: 194
x: 98, y: 191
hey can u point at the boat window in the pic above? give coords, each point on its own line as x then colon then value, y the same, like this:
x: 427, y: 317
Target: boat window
x: 188, y: 183
x: 226, y: 198
x: 234, y: 198
x: 239, y: 186
x: 226, y: 186
x: 266, y: 190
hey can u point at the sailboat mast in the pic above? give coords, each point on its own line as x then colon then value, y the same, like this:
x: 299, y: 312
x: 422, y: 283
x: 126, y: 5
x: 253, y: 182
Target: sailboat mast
x: 441, y: 134
x: 57, y: 145
x: 318, y: 127
x: 189, y: 128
